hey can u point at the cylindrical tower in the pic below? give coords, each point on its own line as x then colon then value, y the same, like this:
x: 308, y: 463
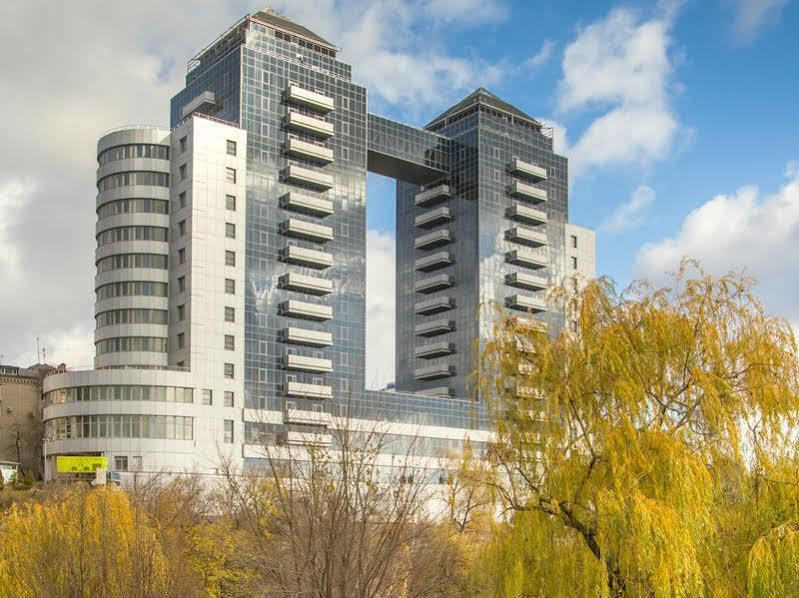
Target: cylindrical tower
x: 132, y: 256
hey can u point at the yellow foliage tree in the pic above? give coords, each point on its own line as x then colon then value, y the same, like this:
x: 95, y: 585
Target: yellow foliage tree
x: 89, y: 543
x: 646, y: 449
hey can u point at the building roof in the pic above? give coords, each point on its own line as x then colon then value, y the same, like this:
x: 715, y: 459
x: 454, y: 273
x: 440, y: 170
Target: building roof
x: 482, y: 96
x: 271, y: 18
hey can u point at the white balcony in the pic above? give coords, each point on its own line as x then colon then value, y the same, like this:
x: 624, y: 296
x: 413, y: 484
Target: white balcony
x: 301, y: 336
x: 527, y: 258
x: 529, y: 303
x: 306, y: 176
x: 306, y: 257
x: 309, y: 124
x: 526, y: 236
x: 206, y: 99
x: 438, y: 391
x: 525, y: 280
x: 306, y: 204
x: 433, y: 262
x: 432, y: 217
x: 303, y: 363
x: 528, y: 191
x: 310, y: 99
x: 431, y: 196
x: 307, y: 391
x: 295, y: 438
x: 433, y: 372
x: 434, y: 306
x: 310, y: 418
x: 527, y: 169
x: 303, y: 309
x: 434, y: 328
x: 303, y: 149
x: 433, y: 283
x: 437, y: 238
x: 301, y: 229
x: 305, y: 284
x: 529, y: 323
x: 524, y: 213
x: 434, y: 350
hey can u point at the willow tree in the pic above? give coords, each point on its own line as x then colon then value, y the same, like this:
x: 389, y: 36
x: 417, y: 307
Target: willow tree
x: 647, y: 449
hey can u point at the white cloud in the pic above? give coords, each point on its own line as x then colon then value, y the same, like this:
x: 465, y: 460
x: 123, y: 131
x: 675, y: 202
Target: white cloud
x: 630, y: 214
x: 752, y: 16
x: 744, y: 231
x: 466, y: 11
x: 380, y: 300
x: 621, y: 66
x: 541, y: 57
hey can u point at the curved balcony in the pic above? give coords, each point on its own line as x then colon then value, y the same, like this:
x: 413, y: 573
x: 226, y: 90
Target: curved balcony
x: 309, y: 124
x: 525, y: 280
x: 308, y: 391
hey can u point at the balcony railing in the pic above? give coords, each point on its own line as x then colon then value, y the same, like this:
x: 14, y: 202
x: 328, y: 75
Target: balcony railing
x: 431, y: 196
x: 434, y: 328
x: 533, y: 171
x: 306, y: 204
x: 433, y: 262
x: 309, y: 124
x: 433, y: 372
x: 306, y: 284
x: 433, y: 283
x: 306, y: 176
x: 308, y: 311
x: 310, y: 99
x: 308, y: 417
x: 524, y: 213
x: 525, y: 280
x: 301, y: 336
x: 306, y: 257
x: 303, y: 363
x: 438, y: 391
x: 526, y: 236
x: 434, y: 350
x: 435, y: 239
x: 530, y: 303
x: 303, y: 149
x: 295, y: 438
x: 434, y: 306
x: 432, y: 217
x: 294, y: 227
x: 308, y: 391
x: 528, y: 191
x: 527, y: 258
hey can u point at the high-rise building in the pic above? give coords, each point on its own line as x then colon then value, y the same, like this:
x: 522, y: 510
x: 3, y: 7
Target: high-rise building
x: 232, y: 251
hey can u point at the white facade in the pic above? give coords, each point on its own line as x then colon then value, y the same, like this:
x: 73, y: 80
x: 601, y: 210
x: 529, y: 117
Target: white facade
x: 580, y: 252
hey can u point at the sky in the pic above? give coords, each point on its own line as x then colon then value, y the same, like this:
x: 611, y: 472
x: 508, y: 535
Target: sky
x: 679, y: 120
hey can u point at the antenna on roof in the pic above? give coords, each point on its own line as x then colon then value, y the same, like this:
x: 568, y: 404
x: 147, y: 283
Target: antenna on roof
x: 44, y: 354
x: 38, y: 355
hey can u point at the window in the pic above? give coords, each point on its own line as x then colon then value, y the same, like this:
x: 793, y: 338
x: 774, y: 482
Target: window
x: 230, y: 202
x: 229, y: 370
x: 345, y: 153
x: 230, y: 175
x: 136, y: 464
x: 181, y: 284
x: 496, y: 152
x: 290, y: 405
x: 230, y: 314
x: 345, y: 103
x: 181, y: 312
x: 182, y: 144
x: 345, y: 128
x: 182, y: 227
x: 208, y: 396
x: 231, y: 148
x: 229, y: 402
x: 228, y: 426
x: 345, y: 230
x: 230, y: 342
x: 496, y: 175
x: 181, y: 340
x: 121, y: 463
x: 183, y: 172
x: 574, y: 263
x: 182, y: 199
x: 182, y: 255
x: 574, y: 241
x: 230, y: 258
x: 230, y: 230
x: 230, y: 286
x: 345, y: 384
